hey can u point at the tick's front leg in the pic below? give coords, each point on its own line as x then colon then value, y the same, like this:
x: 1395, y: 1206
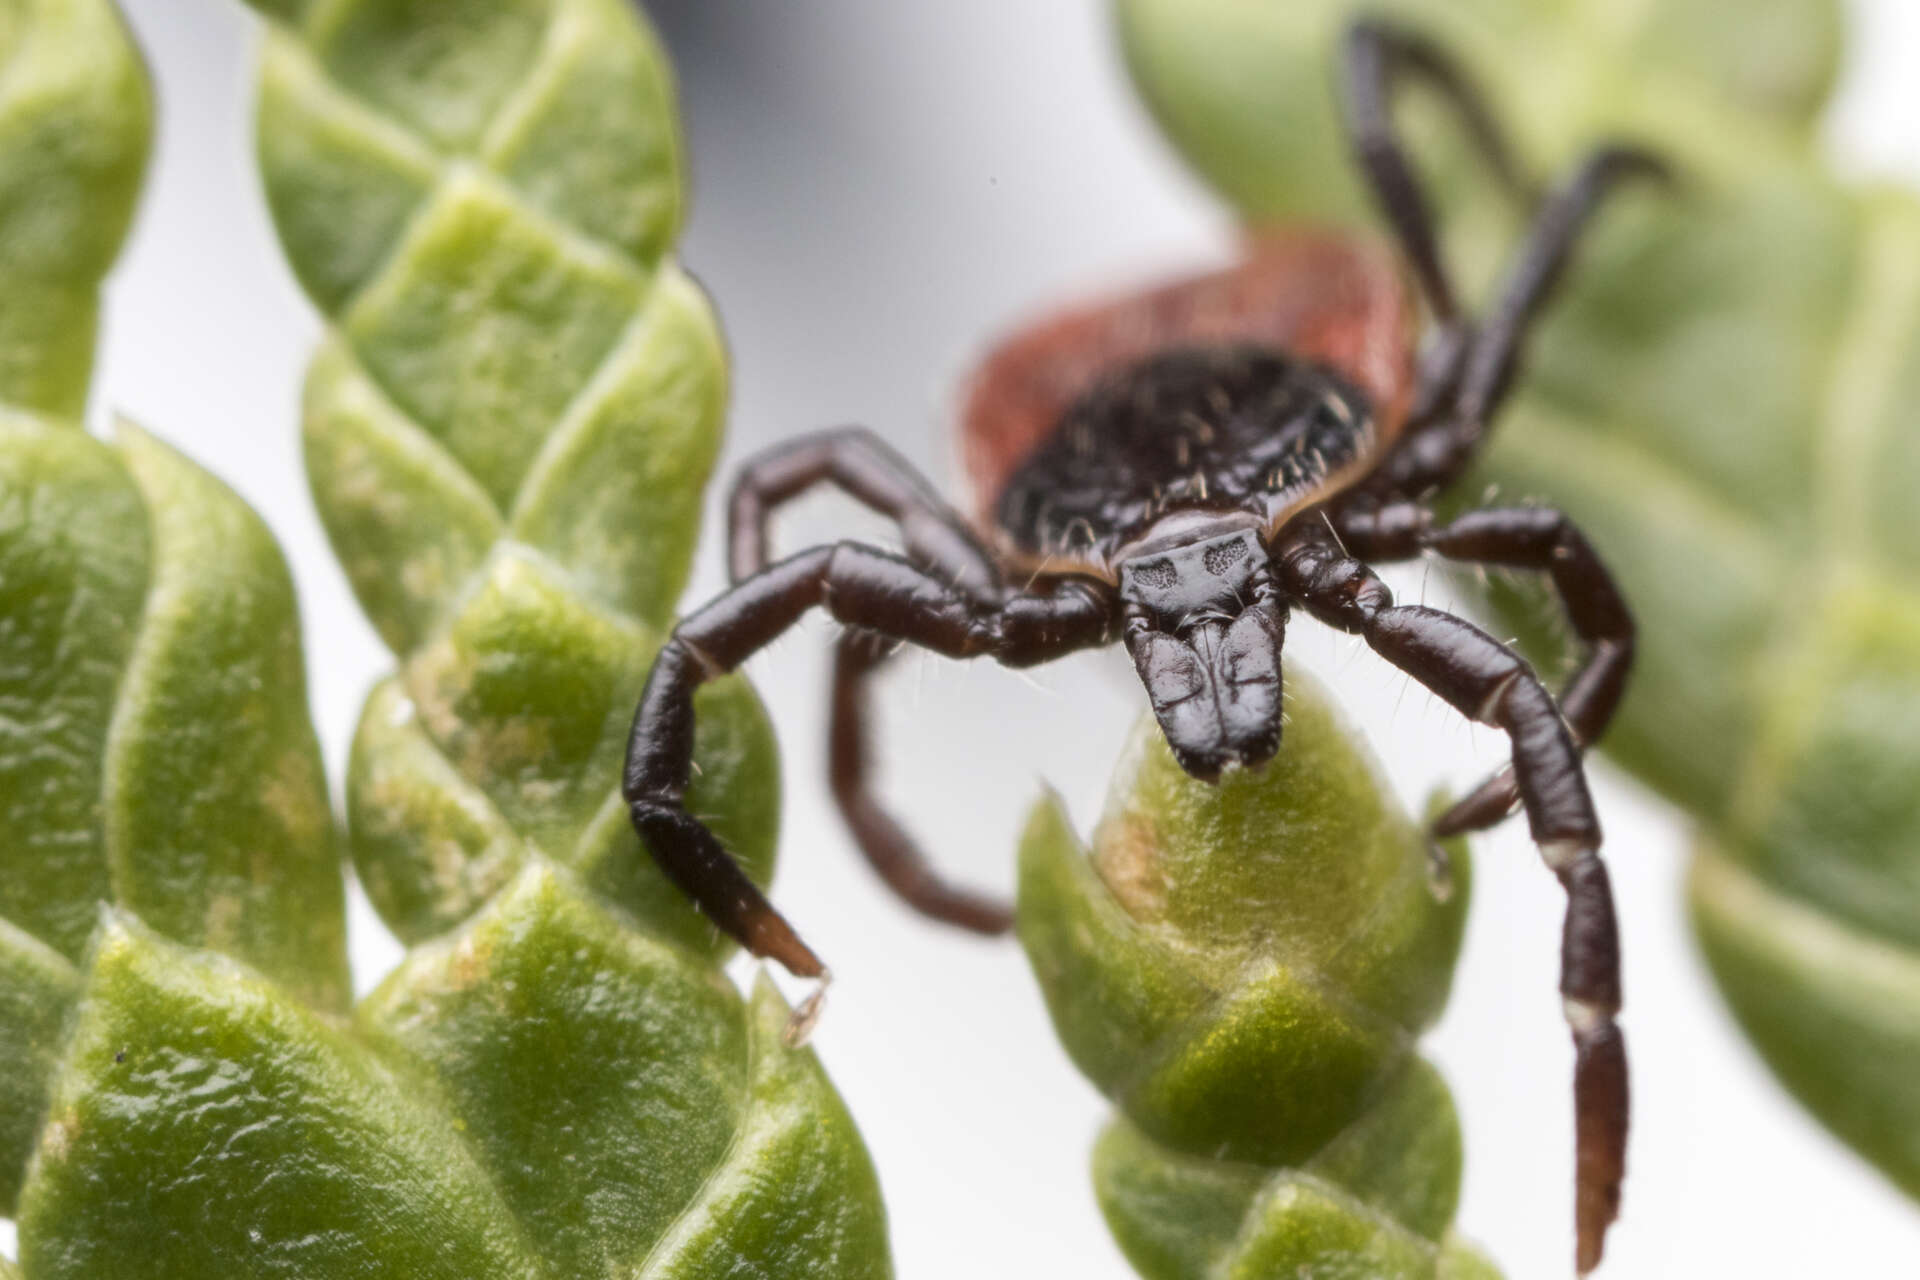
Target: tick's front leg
x: 858, y: 586
x: 1488, y: 682
x: 1533, y: 538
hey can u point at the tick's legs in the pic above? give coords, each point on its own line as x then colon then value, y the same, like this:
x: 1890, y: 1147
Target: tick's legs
x: 1536, y: 538
x: 1441, y: 444
x: 860, y: 587
x: 1488, y: 682
x: 938, y: 541
x: 884, y: 841
x: 1543, y: 259
x: 864, y: 467
x: 1378, y: 57
x: 1483, y: 679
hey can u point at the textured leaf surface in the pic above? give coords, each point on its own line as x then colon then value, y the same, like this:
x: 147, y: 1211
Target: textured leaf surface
x: 218, y: 830
x: 1724, y: 400
x: 508, y: 431
x: 203, y: 1122
x: 38, y: 986
x: 546, y: 1092
x: 155, y: 750
x: 1243, y: 970
x: 154, y: 744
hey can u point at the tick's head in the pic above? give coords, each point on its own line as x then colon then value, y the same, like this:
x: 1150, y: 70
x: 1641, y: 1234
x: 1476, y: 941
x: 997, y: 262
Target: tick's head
x: 1204, y: 626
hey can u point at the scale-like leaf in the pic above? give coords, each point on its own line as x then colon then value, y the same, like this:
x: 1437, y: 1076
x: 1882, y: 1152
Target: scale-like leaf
x: 75, y: 122
x: 508, y: 431
x: 1243, y: 970
x: 545, y: 1092
x: 155, y: 750
x: 203, y: 1123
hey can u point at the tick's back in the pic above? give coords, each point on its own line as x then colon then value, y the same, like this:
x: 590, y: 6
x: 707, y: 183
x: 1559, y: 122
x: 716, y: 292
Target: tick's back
x: 1211, y: 428
x: 1334, y: 301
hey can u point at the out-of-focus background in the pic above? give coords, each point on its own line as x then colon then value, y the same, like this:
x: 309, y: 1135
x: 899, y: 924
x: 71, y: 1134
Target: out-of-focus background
x: 880, y: 189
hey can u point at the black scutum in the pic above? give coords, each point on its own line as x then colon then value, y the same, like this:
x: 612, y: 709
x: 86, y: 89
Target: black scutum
x: 1206, y: 428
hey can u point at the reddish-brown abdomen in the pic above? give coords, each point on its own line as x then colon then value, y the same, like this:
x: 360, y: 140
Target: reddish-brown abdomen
x: 1333, y: 299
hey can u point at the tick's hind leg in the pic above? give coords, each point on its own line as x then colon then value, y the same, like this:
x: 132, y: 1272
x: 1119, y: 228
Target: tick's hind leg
x: 886, y: 844
x: 1488, y: 682
x: 936, y: 540
x: 1539, y: 539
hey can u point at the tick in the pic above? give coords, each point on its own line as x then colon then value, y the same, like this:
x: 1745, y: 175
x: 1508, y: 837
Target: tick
x: 1180, y: 471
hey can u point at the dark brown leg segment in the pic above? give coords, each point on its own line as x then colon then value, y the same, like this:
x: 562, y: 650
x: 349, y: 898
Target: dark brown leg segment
x: 1379, y: 57
x: 883, y: 840
x: 1543, y: 540
x: 1488, y: 682
x: 862, y: 588
x: 865, y: 468
x: 1438, y: 451
x: 859, y: 586
x: 1543, y: 261
x: 937, y: 540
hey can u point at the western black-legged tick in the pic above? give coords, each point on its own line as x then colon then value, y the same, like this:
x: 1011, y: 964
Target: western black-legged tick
x: 1179, y: 471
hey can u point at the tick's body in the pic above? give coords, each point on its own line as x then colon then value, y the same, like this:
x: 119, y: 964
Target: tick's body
x: 1261, y: 389
x: 1179, y: 471
x: 1242, y: 429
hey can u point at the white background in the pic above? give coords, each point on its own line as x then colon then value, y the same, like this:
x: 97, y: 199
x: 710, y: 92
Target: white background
x: 879, y: 188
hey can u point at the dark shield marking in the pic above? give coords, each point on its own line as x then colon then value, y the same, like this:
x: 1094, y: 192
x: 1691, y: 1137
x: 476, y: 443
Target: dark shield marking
x: 1214, y: 428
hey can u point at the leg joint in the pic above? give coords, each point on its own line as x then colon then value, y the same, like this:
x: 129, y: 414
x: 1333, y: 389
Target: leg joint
x: 1338, y: 589
x: 1457, y: 660
x: 868, y: 588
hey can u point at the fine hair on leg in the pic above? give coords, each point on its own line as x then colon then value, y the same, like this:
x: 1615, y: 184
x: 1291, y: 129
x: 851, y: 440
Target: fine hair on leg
x: 1537, y: 539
